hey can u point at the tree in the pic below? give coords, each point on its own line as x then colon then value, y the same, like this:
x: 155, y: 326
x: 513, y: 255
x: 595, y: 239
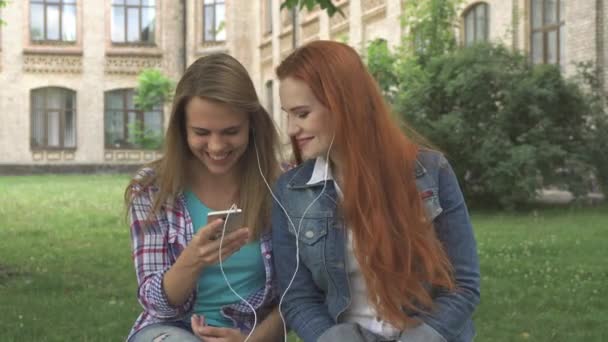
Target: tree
x: 508, y: 127
x: 429, y: 28
x: 325, y: 5
x: 153, y: 89
x: 2, y: 5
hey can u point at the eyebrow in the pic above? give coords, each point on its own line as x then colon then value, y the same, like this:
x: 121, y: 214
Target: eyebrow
x: 293, y: 109
x: 222, y: 130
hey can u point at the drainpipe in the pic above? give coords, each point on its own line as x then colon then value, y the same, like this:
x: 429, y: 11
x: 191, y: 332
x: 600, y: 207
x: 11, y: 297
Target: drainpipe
x: 294, y: 25
x: 184, y: 35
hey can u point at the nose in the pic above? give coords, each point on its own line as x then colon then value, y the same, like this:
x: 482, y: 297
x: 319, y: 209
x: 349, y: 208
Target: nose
x: 292, y: 127
x: 215, y: 143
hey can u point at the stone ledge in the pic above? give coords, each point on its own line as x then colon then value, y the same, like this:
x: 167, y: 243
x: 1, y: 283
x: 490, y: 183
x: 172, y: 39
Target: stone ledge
x: 21, y: 169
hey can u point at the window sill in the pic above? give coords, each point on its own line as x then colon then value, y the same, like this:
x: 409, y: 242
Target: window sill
x: 138, y: 50
x: 69, y: 50
x: 131, y: 149
x: 53, y: 149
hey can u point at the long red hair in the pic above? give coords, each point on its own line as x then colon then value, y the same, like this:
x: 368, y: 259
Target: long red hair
x: 395, y: 244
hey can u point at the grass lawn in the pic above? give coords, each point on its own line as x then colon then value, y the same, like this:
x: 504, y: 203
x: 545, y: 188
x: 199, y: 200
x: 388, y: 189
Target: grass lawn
x: 66, y: 272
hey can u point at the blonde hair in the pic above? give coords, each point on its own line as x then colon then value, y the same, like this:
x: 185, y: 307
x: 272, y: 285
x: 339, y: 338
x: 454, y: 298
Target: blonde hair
x: 221, y: 78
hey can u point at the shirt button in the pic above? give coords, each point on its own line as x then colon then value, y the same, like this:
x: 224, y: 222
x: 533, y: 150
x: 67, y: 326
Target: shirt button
x: 267, y: 256
x: 310, y: 234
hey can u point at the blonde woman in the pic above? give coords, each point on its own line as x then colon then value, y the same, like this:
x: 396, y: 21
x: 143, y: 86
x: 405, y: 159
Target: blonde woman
x: 209, y: 163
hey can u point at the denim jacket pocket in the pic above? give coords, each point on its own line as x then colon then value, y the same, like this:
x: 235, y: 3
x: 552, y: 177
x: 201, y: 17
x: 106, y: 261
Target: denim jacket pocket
x: 312, y: 230
x: 430, y: 199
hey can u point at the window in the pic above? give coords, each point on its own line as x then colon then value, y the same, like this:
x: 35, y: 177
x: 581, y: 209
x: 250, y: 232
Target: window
x: 476, y: 24
x: 133, y: 21
x: 129, y: 127
x: 214, y: 16
x: 268, y: 17
x: 269, y: 97
x: 53, y: 20
x: 547, y: 33
x: 53, y: 118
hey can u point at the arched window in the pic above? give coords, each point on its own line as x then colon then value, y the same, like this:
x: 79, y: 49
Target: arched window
x: 53, y: 118
x: 547, y: 31
x: 128, y: 127
x: 476, y: 24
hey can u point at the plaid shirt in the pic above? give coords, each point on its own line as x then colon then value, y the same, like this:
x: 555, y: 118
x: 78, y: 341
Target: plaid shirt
x: 156, y: 247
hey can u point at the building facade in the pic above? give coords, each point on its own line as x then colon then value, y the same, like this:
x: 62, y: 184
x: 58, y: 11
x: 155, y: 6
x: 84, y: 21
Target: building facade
x: 68, y: 67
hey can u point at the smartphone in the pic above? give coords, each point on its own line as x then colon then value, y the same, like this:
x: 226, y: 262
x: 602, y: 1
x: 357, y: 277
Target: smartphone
x: 233, y: 218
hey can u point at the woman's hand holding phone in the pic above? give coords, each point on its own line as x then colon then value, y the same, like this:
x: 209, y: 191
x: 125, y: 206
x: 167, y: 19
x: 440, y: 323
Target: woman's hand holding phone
x: 204, y: 248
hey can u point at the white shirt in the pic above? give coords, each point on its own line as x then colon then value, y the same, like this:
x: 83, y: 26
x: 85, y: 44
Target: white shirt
x: 360, y: 309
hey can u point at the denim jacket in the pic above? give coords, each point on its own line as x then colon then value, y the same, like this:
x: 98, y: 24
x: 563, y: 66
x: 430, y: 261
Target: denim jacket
x: 320, y: 290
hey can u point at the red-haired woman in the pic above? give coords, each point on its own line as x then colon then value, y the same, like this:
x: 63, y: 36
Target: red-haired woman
x: 375, y: 225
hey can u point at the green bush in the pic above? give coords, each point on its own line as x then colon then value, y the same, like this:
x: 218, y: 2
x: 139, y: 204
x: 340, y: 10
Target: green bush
x: 508, y: 128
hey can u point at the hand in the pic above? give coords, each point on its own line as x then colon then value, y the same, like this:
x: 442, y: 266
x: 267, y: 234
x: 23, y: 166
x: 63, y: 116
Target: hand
x: 214, y: 334
x: 205, y: 251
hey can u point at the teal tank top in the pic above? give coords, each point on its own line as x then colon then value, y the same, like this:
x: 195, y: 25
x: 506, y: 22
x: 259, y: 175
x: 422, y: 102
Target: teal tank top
x: 244, y: 270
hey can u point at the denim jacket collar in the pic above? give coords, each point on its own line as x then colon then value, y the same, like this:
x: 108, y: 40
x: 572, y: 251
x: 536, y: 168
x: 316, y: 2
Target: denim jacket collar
x: 303, y: 178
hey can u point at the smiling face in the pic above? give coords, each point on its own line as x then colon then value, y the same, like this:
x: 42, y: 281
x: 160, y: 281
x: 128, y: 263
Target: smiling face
x: 308, y: 120
x: 217, y: 134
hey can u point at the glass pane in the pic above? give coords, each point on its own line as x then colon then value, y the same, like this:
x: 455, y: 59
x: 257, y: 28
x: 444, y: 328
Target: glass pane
x: 69, y: 138
x: 209, y: 25
x: 562, y: 10
x: 132, y: 125
x: 114, y: 128
x: 134, y: 2
x: 550, y: 11
x: 481, y: 23
x: 69, y: 1
x: 69, y: 100
x: 114, y: 100
x: 268, y: 16
x: 118, y: 2
x: 38, y: 127
x: 151, y: 3
x: 562, y: 45
x: 469, y: 28
x: 68, y: 20
x: 38, y: 99
x: 209, y: 2
x: 269, y: 98
x: 118, y: 24
x: 52, y: 132
x: 52, y: 1
x: 552, y: 47
x: 54, y: 98
x: 37, y: 22
x: 130, y: 98
x: 153, y: 121
x: 133, y: 25
x: 537, y: 47
x: 52, y: 22
x: 220, y: 25
x: 537, y: 13
x: 147, y: 24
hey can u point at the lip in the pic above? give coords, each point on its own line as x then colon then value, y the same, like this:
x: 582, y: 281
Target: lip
x: 218, y: 162
x: 303, y: 141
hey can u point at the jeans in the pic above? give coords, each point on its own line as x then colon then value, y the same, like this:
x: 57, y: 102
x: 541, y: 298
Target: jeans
x: 353, y: 332
x: 165, y: 332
